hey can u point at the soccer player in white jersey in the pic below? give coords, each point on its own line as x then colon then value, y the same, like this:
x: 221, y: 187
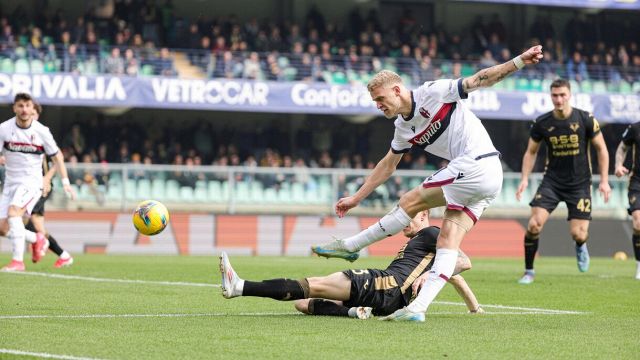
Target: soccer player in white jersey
x: 434, y: 118
x: 24, y: 142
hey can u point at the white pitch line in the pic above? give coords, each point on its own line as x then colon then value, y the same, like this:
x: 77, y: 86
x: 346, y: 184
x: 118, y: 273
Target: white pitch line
x: 108, y: 316
x: 490, y: 306
x: 113, y: 316
x: 95, y: 279
x: 43, y: 355
x: 178, y: 283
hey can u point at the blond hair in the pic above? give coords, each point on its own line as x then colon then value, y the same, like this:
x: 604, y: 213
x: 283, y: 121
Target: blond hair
x: 384, y: 78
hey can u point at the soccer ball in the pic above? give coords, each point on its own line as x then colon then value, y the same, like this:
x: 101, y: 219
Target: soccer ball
x: 150, y: 217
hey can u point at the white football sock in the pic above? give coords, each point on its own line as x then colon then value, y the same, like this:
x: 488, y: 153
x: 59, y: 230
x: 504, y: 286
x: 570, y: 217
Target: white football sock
x: 29, y: 236
x: 390, y: 224
x: 439, y: 274
x: 239, y: 288
x: 638, y: 270
x: 65, y: 255
x: 16, y: 235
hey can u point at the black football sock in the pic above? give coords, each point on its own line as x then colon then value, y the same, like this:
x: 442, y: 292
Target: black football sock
x: 54, y: 246
x: 636, y: 245
x: 326, y: 307
x: 530, y: 248
x: 278, y: 289
x: 30, y: 226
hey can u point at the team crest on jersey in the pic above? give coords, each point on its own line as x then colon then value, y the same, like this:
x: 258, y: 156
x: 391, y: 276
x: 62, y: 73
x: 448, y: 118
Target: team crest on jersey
x: 424, y: 112
x: 574, y: 126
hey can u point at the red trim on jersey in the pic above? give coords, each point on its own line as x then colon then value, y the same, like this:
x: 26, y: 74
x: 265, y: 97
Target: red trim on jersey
x: 463, y: 208
x: 429, y: 132
x: 444, y: 277
x: 432, y: 184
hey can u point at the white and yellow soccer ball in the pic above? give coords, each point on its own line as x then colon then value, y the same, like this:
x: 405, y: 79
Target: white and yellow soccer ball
x: 150, y: 217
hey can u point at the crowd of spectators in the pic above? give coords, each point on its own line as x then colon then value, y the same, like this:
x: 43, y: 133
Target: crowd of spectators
x: 125, y: 37
x: 93, y: 142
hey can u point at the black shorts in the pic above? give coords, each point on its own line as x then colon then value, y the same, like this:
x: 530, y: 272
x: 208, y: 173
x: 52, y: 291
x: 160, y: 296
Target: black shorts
x: 578, y: 199
x: 377, y: 289
x: 38, y: 208
x: 634, y: 200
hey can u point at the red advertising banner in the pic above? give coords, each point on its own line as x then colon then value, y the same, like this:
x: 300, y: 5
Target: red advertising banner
x: 208, y: 234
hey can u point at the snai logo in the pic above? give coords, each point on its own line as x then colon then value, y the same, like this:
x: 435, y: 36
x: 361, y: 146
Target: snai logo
x: 24, y: 148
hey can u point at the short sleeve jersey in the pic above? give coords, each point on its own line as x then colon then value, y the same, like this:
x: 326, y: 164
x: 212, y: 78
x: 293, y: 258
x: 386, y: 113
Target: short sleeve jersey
x: 414, y: 258
x: 631, y: 138
x: 568, y: 145
x: 24, y: 149
x: 441, y: 124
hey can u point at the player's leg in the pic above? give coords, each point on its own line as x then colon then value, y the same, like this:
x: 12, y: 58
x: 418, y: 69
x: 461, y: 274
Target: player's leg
x: 580, y: 233
x: 579, y: 206
x: 36, y: 224
x: 455, y: 225
x: 278, y: 289
x: 636, y: 240
x: 542, y: 205
x: 539, y: 217
x: 634, y: 211
x: 397, y: 219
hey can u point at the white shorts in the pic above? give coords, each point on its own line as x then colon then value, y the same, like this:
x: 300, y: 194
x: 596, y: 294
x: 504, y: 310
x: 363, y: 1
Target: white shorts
x: 18, y: 195
x: 468, y: 184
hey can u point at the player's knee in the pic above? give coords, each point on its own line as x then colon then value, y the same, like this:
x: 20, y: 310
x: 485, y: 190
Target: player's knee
x: 535, y: 226
x: 302, y: 305
x: 579, y: 235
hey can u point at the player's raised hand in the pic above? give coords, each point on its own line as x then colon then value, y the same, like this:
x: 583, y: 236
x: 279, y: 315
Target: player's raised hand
x: 521, y: 188
x: 533, y: 55
x: 605, y: 190
x: 621, y: 171
x: 345, y: 204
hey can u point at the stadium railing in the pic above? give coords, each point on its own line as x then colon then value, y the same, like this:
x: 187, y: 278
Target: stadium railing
x: 274, y: 190
x: 339, y: 70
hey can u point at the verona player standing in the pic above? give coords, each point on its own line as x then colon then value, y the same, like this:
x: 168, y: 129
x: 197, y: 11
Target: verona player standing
x: 24, y: 143
x: 434, y: 118
x: 631, y: 139
x: 568, y: 133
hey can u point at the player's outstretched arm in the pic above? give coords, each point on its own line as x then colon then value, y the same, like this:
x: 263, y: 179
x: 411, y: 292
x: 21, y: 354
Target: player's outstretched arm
x: 490, y: 76
x: 603, y: 164
x: 383, y: 170
x: 621, y: 154
x: 466, y: 293
x: 528, y: 160
x: 58, y: 161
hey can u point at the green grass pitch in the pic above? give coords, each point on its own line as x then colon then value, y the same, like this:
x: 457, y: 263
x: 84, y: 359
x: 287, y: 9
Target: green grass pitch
x: 78, y: 315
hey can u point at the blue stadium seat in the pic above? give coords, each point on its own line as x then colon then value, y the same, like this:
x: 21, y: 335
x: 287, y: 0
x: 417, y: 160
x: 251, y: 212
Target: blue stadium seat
x: 22, y: 66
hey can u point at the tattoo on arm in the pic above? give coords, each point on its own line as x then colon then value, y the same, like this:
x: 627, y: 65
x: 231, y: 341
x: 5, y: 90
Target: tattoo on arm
x: 489, y: 77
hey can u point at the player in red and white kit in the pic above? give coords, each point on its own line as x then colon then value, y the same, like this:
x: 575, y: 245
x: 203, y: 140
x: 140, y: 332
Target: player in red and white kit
x: 434, y: 118
x: 24, y: 142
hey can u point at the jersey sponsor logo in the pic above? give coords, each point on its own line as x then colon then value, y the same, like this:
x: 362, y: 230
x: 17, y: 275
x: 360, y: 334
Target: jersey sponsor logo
x: 24, y: 148
x: 436, y: 128
x: 424, y: 112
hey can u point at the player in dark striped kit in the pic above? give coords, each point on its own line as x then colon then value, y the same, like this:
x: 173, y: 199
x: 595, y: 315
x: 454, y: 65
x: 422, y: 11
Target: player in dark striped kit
x: 631, y: 139
x: 359, y: 293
